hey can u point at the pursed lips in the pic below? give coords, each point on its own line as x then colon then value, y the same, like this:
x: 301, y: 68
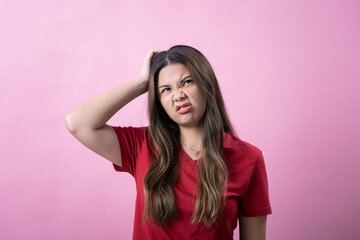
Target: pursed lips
x: 182, y: 106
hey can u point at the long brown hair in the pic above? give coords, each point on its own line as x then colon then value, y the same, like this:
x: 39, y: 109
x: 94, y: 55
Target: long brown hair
x: 160, y: 205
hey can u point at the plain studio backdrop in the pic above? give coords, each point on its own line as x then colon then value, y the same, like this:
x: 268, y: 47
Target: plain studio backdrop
x: 289, y: 72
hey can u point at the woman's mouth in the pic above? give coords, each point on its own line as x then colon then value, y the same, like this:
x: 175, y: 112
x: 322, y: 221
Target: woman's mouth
x: 183, y: 108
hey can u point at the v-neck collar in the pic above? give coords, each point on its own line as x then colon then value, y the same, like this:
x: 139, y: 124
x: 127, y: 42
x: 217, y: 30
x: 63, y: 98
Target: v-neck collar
x: 188, y: 158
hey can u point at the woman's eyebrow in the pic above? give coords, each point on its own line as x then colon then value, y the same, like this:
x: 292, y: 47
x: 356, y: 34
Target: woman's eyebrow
x: 181, y: 82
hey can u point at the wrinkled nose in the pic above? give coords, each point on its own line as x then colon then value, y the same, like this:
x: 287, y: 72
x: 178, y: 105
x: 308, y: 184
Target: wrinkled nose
x: 179, y: 95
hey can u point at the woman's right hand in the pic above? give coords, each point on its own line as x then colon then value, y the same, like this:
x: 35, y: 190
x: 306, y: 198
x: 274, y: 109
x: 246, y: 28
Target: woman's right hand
x: 145, y: 71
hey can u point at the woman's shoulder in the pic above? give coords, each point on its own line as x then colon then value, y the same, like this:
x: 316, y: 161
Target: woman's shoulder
x: 131, y: 131
x: 131, y: 128
x: 233, y: 144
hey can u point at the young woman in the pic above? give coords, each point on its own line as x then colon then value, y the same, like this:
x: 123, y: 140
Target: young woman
x: 194, y: 177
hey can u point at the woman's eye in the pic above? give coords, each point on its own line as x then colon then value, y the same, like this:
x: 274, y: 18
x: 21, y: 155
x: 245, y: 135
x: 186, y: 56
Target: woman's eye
x: 187, y: 82
x: 165, y: 89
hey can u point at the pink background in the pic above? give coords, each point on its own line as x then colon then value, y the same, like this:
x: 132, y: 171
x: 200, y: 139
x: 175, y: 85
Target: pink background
x: 289, y: 72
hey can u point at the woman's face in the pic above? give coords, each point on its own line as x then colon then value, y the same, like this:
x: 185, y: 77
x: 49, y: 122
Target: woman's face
x: 180, y: 96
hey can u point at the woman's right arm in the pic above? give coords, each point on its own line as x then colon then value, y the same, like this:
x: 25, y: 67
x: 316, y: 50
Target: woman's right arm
x: 87, y: 122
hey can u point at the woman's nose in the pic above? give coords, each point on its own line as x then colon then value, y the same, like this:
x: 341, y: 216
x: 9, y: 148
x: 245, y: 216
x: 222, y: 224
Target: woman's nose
x: 179, y: 95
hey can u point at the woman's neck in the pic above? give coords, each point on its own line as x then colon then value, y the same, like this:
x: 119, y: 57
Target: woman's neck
x: 192, y: 137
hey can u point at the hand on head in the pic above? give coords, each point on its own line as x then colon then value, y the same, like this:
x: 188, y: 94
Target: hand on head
x: 145, y: 71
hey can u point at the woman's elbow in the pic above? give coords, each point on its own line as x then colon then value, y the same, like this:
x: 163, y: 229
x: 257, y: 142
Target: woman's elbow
x: 69, y: 123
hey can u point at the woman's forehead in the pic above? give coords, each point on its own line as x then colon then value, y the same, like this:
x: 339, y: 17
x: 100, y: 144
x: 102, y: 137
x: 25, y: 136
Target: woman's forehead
x: 172, y: 73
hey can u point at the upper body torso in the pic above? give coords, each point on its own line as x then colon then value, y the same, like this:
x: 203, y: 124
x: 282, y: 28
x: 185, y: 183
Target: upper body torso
x: 247, y: 189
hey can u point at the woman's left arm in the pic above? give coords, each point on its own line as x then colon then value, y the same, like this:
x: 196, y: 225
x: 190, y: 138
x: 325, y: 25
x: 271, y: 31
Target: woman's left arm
x: 252, y: 228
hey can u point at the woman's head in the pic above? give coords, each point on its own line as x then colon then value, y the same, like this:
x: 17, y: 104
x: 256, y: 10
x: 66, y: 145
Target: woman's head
x: 180, y: 96
x: 166, y: 69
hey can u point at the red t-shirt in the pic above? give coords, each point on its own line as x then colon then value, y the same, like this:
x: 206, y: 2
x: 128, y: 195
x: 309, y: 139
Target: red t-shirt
x: 247, y: 190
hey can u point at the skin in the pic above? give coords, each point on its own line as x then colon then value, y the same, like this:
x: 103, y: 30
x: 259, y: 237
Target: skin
x: 176, y: 87
x: 87, y: 122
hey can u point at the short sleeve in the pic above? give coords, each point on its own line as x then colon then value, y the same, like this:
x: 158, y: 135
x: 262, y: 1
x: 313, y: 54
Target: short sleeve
x: 256, y: 201
x: 130, y: 140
